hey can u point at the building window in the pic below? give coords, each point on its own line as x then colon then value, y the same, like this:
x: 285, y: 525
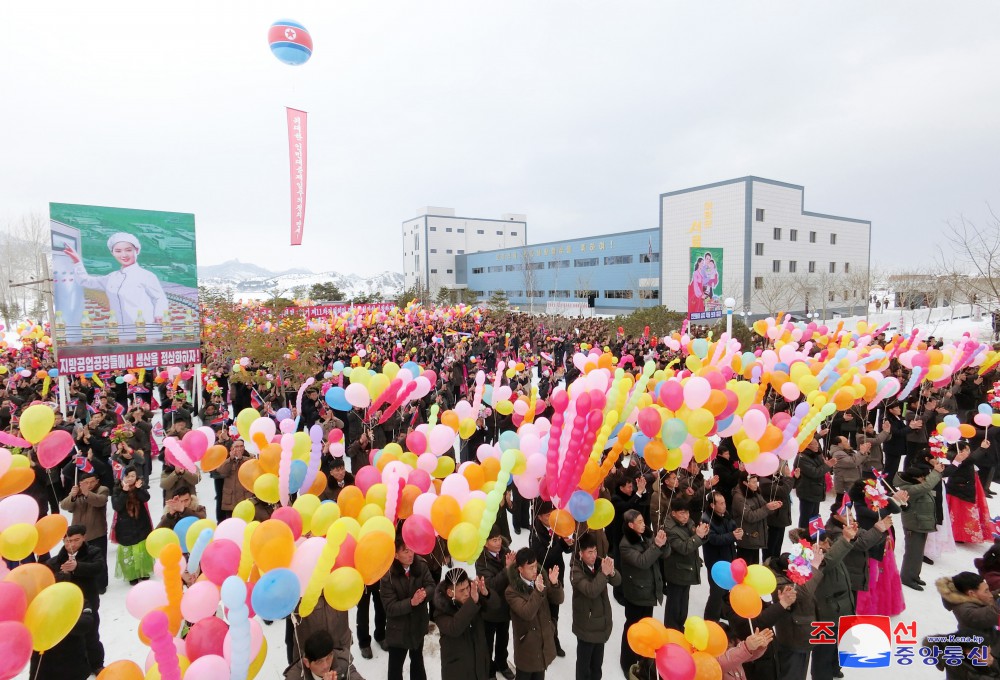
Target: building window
x: 450, y: 271
x: 448, y: 252
x: 777, y: 233
x: 847, y: 267
x: 448, y: 230
x: 758, y: 248
x: 833, y: 267
x: 758, y: 282
x: 433, y: 228
x: 584, y: 294
x: 812, y: 266
x: 812, y: 237
x: 513, y: 233
x: 461, y: 252
x: 559, y: 294
x: 558, y: 264
x: 793, y: 234
x: 499, y: 233
x: 461, y: 231
x: 617, y: 259
x: 776, y: 266
x: 760, y: 214
x: 792, y: 266
x: 647, y: 258
x: 619, y: 294
x: 434, y: 250
x: 831, y: 296
x: 434, y: 271
x: 536, y: 293
x: 477, y: 270
x: 480, y: 231
x: 586, y: 262
x: 495, y: 270
x: 833, y: 239
x: 512, y: 267
x: 651, y: 294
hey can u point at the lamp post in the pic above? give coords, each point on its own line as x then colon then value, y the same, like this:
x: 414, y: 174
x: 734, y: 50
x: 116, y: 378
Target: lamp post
x: 730, y: 304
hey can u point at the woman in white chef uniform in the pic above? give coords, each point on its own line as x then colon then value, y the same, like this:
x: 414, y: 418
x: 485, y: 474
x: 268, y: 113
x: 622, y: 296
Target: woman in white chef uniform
x: 130, y: 290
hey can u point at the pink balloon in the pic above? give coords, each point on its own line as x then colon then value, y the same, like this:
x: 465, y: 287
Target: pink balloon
x: 427, y: 462
x: 13, y: 603
x: 672, y: 395
x: 200, y: 601
x: 230, y: 530
x: 422, y: 506
x: 674, y: 662
x: 304, y: 560
x: 366, y: 476
x: 697, y: 390
x: 18, y: 509
x: 287, y: 426
x: 208, y: 432
x: 649, y: 421
x: 15, y: 648
x: 291, y: 517
x: 423, y: 387
x: 345, y: 558
x: 220, y: 560
x: 982, y: 419
x: 144, y: 597
x: 151, y: 656
x: 738, y: 568
x: 357, y: 395
x: 206, y: 638
x: 416, y: 442
x: 528, y: 488
x: 195, y: 443
x: 209, y: 667
x: 765, y: 464
x: 790, y: 391
x: 420, y: 479
x: 54, y: 448
x: 442, y: 439
x: 264, y: 426
x: 456, y: 486
x: 5, y: 460
x: 419, y: 534
x: 530, y: 444
x: 754, y: 424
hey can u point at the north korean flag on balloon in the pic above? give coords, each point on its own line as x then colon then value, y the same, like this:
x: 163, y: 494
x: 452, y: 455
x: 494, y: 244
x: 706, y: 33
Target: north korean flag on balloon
x: 290, y: 42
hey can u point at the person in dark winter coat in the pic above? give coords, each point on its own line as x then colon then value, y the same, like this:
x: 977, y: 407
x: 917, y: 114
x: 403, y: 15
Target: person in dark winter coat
x: 337, y: 479
x: 719, y: 546
x: 67, y: 660
x: 83, y: 564
x: 528, y: 597
x: 894, y: 447
x: 727, y: 468
x: 492, y: 566
x: 968, y: 597
x: 777, y: 487
x: 592, y: 614
x: 319, y: 660
x: 549, y: 549
x: 811, y: 467
x: 404, y: 591
x: 988, y: 567
x: 459, y: 604
x: 323, y: 618
x: 626, y: 497
x: 792, y: 632
x: 682, y: 567
x: 750, y: 510
x: 132, y: 525
x: 642, y: 577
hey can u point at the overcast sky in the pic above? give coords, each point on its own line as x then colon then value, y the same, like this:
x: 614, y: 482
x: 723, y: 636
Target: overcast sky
x: 577, y: 113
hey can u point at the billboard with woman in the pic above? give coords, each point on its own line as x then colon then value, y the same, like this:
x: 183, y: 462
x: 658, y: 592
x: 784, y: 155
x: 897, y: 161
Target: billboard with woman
x: 705, y: 284
x: 125, y: 284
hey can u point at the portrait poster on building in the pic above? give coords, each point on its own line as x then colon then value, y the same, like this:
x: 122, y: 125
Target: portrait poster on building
x: 705, y: 284
x: 125, y: 286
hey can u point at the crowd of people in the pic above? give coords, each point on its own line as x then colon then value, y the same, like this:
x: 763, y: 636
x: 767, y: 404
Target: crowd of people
x: 871, y: 478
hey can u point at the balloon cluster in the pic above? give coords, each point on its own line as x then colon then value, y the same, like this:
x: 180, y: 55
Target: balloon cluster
x: 746, y: 585
x: 681, y: 656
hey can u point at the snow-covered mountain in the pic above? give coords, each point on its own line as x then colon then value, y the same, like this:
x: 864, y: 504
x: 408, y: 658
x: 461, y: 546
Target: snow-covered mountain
x: 250, y: 281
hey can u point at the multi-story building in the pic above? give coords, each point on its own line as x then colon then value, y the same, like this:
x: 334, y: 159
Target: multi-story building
x: 433, y: 240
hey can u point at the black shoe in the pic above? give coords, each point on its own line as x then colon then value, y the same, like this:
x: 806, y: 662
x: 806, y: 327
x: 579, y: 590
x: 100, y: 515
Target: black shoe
x: 133, y: 582
x: 381, y: 643
x: 559, y: 650
x: 366, y: 652
x: 928, y: 560
x: 517, y: 530
x: 507, y: 673
x: 920, y: 581
x: 914, y: 586
x: 838, y: 674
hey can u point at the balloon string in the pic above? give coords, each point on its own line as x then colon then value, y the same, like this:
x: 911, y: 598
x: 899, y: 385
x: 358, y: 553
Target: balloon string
x: 38, y: 668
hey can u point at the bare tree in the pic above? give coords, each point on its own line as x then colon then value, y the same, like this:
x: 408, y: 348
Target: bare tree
x: 23, y: 246
x: 773, y: 294
x: 528, y: 266
x: 974, y: 249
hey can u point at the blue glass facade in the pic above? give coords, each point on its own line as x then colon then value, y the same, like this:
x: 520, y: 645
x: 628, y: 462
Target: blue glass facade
x: 620, y: 271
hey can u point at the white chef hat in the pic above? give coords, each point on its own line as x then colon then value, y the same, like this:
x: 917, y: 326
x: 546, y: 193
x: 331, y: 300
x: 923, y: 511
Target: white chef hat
x: 122, y: 237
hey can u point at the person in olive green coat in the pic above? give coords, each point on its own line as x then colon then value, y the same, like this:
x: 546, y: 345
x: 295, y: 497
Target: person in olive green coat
x: 682, y: 567
x: 918, y: 519
x: 528, y: 597
x: 642, y: 578
x: 591, y: 607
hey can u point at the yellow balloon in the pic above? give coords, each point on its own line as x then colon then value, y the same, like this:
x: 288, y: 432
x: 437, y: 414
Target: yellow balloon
x: 472, y: 511
x: 159, y: 539
x: 761, y: 579
x: 243, y: 420
x: 445, y: 466
x: 344, y: 588
x: 258, y: 661
x: 377, y: 523
x: 18, y: 541
x: 466, y: 428
x: 368, y: 512
x: 325, y: 515
x: 361, y: 376
x: 307, y: 505
x: 504, y: 407
x: 393, y: 449
x: 376, y: 495
x: 409, y: 458
x: 154, y: 671
x: 52, y: 614
x: 462, y: 541
x: 301, y: 444
x: 604, y: 512
x: 244, y: 510
x: 390, y: 369
x: 36, y: 422
x: 266, y: 488
x: 520, y: 463
x: 19, y: 461
x: 344, y: 526
x: 377, y: 385
x: 194, y: 531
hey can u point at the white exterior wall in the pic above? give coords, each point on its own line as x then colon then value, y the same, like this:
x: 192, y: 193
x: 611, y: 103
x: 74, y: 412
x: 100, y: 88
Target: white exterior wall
x: 687, y: 216
x: 442, y: 233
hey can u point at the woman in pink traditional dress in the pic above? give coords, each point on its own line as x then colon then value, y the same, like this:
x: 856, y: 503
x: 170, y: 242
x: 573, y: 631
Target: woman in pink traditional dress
x: 870, y: 502
x: 696, y: 289
x: 970, y: 515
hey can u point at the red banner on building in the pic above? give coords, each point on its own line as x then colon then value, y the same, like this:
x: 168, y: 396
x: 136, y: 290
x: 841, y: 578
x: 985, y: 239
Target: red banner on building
x: 298, y: 166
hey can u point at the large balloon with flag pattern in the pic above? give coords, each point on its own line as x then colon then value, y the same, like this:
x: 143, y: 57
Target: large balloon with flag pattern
x: 290, y: 42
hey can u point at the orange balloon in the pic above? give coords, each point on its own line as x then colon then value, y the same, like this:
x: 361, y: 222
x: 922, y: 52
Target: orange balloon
x: 214, y: 457
x: 676, y: 637
x: 318, y: 486
x: 16, y: 480
x: 718, y: 642
x: 655, y: 454
x: 33, y: 578
x: 843, y: 399
x: 350, y: 500
x: 562, y: 523
x: 450, y: 418
x: 270, y: 458
x: 967, y: 430
x: 51, y: 530
x: 871, y: 387
x: 373, y: 556
x: 383, y: 460
x: 646, y: 636
x: 272, y: 545
x: 491, y: 469
x: 406, y: 499
x: 122, y: 670
x: 771, y: 439
x: 745, y: 601
x: 473, y: 473
x: 706, y: 667
x: 716, y: 402
x: 445, y: 514
x: 248, y: 473
x: 591, y: 476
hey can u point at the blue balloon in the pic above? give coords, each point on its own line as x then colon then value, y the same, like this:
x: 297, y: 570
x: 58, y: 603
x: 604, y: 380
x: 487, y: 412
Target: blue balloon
x: 986, y: 409
x: 194, y: 560
x: 283, y: 413
x: 276, y: 594
x: 581, y: 505
x: 338, y: 366
x: 336, y: 399
x: 722, y: 574
x: 952, y: 420
x: 488, y: 395
x: 297, y: 475
x: 674, y: 433
x: 412, y: 367
x: 290, y: 42
x: 509, y: 440
x: 181, y: 529
x: 53, y: 372
x: 639, y: 441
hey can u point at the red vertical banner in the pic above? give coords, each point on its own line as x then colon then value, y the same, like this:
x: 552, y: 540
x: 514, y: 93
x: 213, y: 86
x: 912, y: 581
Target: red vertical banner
x: 297, y: 161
